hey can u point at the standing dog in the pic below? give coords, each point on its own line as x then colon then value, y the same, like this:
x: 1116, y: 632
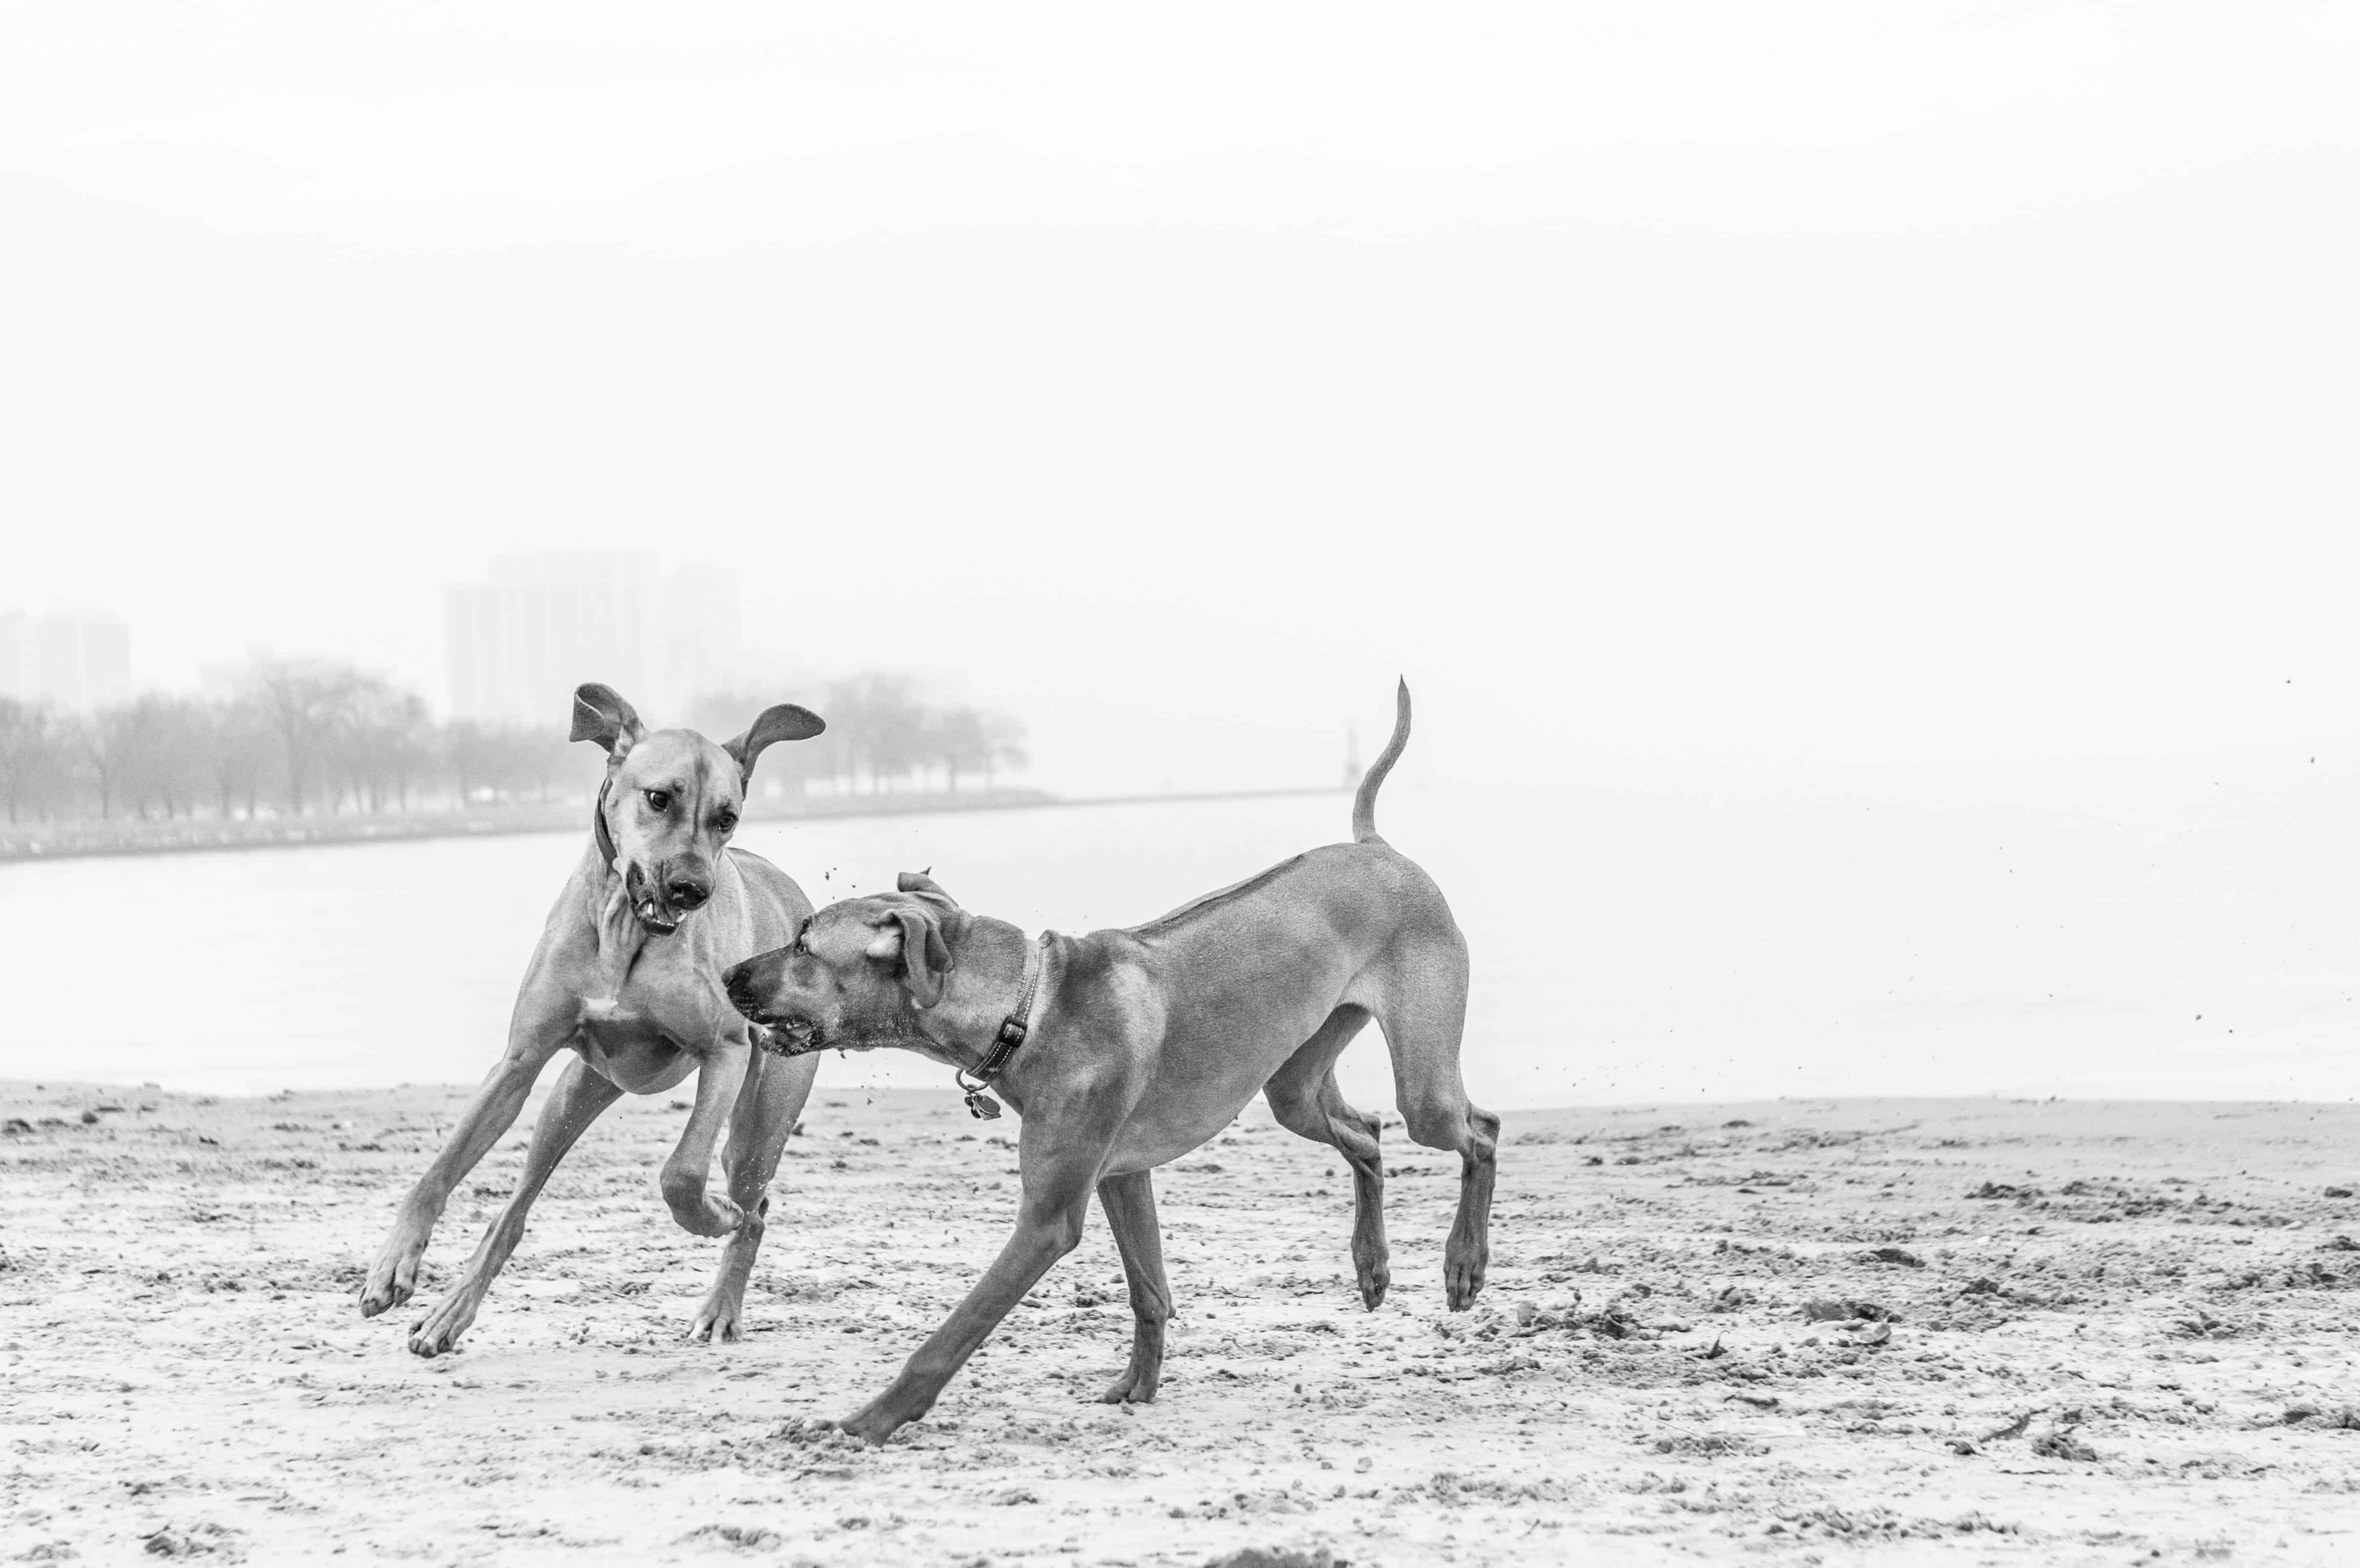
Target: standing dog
x: 628, y: 974
x: 1127, y: 1048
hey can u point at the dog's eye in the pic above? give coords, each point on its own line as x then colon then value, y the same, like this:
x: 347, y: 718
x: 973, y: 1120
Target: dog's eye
x: 659, y: 800
x: 725, y: 823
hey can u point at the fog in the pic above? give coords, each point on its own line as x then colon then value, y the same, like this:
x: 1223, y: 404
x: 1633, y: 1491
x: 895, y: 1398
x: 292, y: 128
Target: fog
x: 1935, y: 403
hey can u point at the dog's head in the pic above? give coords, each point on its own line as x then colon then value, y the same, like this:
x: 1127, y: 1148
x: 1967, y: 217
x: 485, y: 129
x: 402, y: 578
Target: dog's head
x: 673, y: 798
x: 856, y: 971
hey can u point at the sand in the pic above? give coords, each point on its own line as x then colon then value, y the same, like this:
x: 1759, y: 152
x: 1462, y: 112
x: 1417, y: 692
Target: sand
x: 2137, y: 1344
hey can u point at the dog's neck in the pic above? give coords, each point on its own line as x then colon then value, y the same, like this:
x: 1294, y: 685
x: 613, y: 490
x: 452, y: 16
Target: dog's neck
x: 986, y: 985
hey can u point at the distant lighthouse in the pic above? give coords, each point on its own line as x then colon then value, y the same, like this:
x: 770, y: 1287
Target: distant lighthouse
x: 1352, y: 768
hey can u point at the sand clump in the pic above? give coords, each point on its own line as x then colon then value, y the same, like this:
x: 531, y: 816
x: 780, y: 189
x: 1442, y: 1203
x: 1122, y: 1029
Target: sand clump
x: 1970, y: 1330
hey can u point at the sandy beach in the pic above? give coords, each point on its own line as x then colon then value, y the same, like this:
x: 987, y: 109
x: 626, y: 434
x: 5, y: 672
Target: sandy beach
x: 1955, y: 1331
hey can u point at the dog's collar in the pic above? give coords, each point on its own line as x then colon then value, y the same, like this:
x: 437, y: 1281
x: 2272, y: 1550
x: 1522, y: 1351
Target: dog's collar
x: 1013, y: 1031
x: 598, y: 828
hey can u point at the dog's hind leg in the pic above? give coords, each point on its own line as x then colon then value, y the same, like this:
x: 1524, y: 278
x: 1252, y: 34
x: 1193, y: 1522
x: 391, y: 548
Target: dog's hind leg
x: 580, y: 1095
x: 1303, y: 1095
x: 1129, y: 1205
x: 764, y: 1116
x: 1423, y: 1022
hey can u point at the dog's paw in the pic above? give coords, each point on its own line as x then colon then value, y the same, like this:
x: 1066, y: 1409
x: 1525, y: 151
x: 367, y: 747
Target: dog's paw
x: 872, y: 1424
x: 712, y: 1214
x: 393, y: 1277
x: 1376, y: 1277
x: 717, y: 1322
x: 812, y: 1431
x: 438, y: 1331
x: 1131, y: 1388
x: 1462, y: 1281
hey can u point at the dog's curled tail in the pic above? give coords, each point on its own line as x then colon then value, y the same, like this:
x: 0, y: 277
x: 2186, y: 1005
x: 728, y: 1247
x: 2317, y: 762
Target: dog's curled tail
x: 1364, y: 804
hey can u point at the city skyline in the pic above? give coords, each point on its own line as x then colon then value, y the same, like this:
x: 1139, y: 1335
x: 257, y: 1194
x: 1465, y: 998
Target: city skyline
x: 75, y: 659
x: 518, y: 641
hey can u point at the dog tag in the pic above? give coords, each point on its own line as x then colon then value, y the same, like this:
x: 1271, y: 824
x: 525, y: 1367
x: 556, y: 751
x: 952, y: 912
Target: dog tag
x: 985, y: 1107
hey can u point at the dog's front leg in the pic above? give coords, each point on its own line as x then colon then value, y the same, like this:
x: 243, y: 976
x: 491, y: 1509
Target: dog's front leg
x: 767, y: 1110
x: 534, y: 1037
x: 580, y: 1095
x: 720, y: 1074
x: 1129, y: 1205
x: 1048, y: 1226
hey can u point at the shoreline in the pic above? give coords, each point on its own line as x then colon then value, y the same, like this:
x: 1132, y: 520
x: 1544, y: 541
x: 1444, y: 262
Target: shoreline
x: 82, y: 841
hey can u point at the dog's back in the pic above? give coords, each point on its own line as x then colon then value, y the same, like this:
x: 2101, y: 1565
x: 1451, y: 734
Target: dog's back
x: 1363, y: 897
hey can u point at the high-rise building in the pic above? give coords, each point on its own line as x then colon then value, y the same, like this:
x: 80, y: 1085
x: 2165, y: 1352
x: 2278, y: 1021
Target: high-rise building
x: 76, y: 659
x: 538, y: 625
x: 703, y: 637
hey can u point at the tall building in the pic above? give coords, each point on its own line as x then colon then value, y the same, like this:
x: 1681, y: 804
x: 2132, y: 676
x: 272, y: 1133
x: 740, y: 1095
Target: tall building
x: 538, y: 625
x: 703, y: 636
x: 75, y: 660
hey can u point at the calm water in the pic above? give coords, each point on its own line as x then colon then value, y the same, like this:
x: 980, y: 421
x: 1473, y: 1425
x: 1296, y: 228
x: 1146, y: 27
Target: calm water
x: 1625, y: 948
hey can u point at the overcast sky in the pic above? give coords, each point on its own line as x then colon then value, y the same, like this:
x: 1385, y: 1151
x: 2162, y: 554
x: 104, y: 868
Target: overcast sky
x: 1662, y: 386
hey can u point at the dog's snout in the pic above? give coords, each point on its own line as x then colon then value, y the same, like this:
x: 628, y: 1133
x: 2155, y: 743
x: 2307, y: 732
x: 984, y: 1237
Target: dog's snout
x: 686, y: 892
x: 742, y: 984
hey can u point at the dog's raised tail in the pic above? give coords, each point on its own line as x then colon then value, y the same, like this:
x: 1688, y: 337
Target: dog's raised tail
x: 1364, y: 804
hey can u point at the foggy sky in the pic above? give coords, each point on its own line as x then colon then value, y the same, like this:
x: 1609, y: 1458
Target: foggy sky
x: 1946, y: 390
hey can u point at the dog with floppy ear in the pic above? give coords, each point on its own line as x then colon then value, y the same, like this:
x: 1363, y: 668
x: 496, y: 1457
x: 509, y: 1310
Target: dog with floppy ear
x: 627, y: 977
x: 1125, y: 1050
x: 917, y: 945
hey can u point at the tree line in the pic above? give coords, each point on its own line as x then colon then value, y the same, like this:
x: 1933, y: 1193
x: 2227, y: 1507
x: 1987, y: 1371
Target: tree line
x: 312, y: 736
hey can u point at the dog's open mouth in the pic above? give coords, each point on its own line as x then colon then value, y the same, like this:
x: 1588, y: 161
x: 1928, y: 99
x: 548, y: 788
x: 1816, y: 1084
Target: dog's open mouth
x: 654, y: 919
x: 789, y: 1037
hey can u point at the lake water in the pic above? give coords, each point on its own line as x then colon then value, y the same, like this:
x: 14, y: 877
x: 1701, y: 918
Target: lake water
x: 1626, y: 948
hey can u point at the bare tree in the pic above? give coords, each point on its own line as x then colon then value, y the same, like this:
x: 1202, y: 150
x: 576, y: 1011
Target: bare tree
x: 471, y: 756
x: 28, y: 745
x: 107, y: 745
x: 237, y: 747
x: 327, y: 736
x: 889, y: 726
x: 957, y: 738
x: 1003, y: 745
x: 164, y: 753
x: 303, y: 702
x: 383, y: 740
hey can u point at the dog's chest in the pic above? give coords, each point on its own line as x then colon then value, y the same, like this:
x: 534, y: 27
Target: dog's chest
x: 630, y: 1050
x: 656, y: 1030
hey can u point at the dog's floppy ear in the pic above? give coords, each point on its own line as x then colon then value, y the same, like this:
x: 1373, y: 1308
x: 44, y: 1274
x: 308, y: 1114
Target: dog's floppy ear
x: 785, y: 722
x: 926, y: 886
x: 915, y: 937
x: 601, y: 715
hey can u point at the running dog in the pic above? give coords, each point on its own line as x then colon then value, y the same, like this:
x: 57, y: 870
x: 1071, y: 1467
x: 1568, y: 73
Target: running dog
x: 627, y: 976
x: 1125, y: 1050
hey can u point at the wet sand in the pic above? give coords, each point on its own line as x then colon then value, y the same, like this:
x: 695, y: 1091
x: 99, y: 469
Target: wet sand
x: 2055, y: 1333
